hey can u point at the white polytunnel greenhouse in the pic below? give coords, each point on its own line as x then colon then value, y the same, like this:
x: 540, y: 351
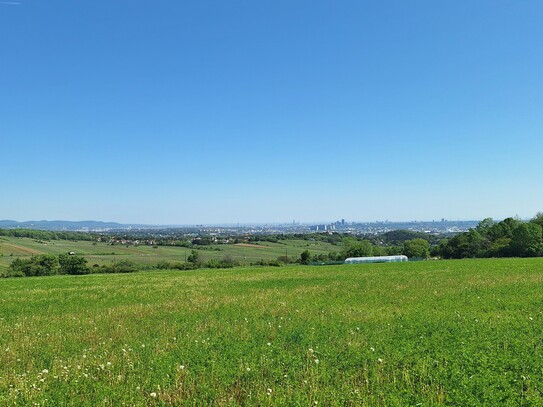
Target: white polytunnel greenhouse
x: 375, y: 259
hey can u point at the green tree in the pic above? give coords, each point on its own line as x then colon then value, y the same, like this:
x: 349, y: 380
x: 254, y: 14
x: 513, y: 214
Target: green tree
x: 484, y: 226
x: 194, y: 257
x: 72, y: 264
x: 40, y: 265
x: 527, y: 240
x: 416, y: 248
x: 538, y: 219
x: 304, y: 257
x: 356, y: 248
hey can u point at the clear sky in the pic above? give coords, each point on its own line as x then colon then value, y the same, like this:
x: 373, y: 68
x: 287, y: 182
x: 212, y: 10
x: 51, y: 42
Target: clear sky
x: 177, y: 112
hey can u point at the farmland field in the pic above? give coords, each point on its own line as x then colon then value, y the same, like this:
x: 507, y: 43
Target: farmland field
x: 465, y: 332
x: 103, y: 253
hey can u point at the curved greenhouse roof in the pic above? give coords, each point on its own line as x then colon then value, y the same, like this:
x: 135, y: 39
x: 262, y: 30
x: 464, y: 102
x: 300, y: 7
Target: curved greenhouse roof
x: 375, y: 259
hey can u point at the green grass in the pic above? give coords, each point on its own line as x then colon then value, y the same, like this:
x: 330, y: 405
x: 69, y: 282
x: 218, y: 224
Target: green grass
x: 426, y: 333
x: 103, y: 253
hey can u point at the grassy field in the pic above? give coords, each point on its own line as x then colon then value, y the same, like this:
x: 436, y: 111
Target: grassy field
x: 102, y: 253
x: 426, y: 333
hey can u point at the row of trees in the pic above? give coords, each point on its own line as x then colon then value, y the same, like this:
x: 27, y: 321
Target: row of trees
x: 353, y: 247
x: 49, y: 265
x: 414, y: 248
x: 509, y: 238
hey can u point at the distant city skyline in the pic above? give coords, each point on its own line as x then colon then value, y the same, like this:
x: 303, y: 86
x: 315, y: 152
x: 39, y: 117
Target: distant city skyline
x: 219, y: 112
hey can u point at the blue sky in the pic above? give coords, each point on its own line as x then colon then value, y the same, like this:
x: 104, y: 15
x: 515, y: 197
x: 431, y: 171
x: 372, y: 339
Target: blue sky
x: 172, y: 112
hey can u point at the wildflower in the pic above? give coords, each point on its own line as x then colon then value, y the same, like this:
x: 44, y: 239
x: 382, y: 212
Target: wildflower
x: 153, y: 394
x: 380, y: 360
x: 317, y: 361
x: 269, y: 391
x: 45, y: 371
x: 269, y: 343
x: 248, y: 369
x: 181, y: 367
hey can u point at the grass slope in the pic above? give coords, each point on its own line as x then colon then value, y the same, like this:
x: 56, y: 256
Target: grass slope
x: 428, y: 333
x: 103, y: 253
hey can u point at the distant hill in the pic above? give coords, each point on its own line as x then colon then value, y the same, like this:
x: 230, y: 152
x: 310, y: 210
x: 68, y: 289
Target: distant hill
x: 62, y: 225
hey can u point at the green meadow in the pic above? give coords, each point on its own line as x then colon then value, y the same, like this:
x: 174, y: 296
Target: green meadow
x: 148, y: 256
x: 464, y: 333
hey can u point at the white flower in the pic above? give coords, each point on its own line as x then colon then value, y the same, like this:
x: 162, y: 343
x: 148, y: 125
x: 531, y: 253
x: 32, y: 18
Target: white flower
x: 380, y: 360
x: 153, y: 394
x: 45, y: 371
x: 269, y: 343
x: 317, y: 361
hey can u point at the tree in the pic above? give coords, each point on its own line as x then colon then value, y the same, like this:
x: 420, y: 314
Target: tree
x: 194, y: 257
x: 417, y: 248
x: 468, y: 244
x: 71, y: 264
x: 304, y: 257
x: 40, y: 265
x: 527, y: 240
x: 355, y: 248
x: 485, y: 225
x: 538, y: 219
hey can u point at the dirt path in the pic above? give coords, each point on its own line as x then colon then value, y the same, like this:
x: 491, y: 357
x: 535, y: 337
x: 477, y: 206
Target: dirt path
x: 21, y: 249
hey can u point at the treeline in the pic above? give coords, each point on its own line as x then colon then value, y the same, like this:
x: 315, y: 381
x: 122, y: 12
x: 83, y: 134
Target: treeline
x: 47, y: 235
x: 194, y: 261
x: 50, y: 265
x: 509, y: 238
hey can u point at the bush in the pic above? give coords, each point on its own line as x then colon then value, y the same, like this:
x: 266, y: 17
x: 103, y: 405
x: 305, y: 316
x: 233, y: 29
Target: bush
x: 40, y: 265
x: 71, y: 264
x: 122, y: 266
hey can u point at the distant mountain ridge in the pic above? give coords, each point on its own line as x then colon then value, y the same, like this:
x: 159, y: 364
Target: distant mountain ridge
x: 62, y: 225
